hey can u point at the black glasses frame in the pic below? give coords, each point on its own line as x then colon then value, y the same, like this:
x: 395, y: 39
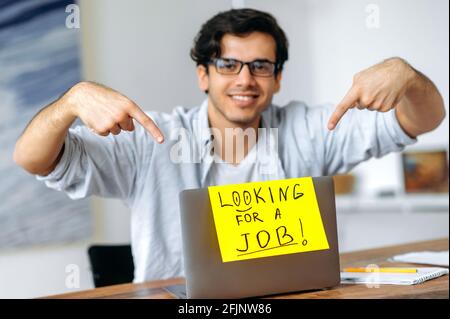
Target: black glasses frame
x: 250, y: 65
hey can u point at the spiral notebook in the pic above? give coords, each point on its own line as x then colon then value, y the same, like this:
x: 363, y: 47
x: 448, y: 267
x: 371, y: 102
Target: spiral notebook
x: 422, y: 274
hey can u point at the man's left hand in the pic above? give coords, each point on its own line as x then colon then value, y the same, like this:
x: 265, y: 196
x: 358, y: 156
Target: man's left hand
x: 378, y: 88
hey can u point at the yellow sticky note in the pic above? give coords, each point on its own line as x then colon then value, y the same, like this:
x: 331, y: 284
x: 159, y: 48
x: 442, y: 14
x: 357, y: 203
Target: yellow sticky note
x: 262, y: 219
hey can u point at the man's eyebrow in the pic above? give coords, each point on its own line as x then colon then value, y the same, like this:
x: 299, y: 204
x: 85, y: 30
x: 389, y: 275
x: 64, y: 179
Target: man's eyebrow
x: 257, y: 59
x: 263, y: 60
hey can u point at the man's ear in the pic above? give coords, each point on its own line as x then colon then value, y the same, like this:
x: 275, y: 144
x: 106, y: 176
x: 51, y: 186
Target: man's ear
x: 203, y: 78
x: 278, y: 82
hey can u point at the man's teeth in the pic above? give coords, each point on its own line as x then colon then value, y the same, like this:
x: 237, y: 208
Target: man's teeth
x: 242, y: 97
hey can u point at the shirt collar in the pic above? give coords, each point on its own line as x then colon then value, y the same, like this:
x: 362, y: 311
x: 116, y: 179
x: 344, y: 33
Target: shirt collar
x: 204, y: 138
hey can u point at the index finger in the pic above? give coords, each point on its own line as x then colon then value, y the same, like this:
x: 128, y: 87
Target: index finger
x: 347, y: 102
x: 146, y: 122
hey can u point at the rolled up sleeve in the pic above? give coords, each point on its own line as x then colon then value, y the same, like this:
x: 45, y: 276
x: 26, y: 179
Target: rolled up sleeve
x: 97, y: 165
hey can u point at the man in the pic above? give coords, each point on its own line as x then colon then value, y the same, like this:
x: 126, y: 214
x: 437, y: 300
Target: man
x: 240, y: 56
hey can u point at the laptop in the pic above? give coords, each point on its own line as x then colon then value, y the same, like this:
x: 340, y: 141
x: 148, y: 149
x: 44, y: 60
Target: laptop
x: 208, y: 277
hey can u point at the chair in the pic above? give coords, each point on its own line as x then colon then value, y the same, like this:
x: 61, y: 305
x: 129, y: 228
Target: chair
x: 111, y: 264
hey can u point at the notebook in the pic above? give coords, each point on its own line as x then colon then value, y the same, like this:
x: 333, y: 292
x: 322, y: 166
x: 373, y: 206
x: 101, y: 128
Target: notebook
x: 436, y: 258
x: 423, y: 274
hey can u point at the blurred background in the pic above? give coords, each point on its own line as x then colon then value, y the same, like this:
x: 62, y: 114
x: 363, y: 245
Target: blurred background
x: 141, y: 48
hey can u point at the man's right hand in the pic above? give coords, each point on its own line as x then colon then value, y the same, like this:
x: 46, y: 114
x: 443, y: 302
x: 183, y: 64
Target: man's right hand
x: 106, y: 111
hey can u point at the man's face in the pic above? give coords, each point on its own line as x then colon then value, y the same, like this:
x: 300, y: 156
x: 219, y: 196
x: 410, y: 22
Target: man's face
x: 240, y: 99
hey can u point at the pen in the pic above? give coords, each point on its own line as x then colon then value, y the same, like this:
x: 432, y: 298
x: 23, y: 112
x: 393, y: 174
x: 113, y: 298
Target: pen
x: 389, y: 270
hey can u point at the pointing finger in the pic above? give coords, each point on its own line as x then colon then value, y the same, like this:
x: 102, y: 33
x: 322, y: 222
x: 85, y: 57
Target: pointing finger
x: 347, y: 102
x: 147, y: 123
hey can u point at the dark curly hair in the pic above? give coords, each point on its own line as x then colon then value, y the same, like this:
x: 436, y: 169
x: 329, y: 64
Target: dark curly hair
x: 237, y: 22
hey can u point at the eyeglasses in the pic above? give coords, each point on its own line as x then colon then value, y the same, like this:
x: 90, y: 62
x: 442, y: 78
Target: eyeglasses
x: 264, y: 68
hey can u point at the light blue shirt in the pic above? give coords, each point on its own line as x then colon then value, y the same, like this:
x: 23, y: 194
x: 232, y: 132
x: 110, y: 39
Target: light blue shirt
x: 133, y: 167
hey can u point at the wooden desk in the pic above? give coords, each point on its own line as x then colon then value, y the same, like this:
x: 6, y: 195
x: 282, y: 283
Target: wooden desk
x: 435, y: 288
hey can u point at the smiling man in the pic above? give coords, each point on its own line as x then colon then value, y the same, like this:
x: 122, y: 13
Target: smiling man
x: 241, y: 75
x: 240, y: 56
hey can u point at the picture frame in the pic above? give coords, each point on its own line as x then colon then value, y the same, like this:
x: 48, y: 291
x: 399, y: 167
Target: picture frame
x: 425, y: 171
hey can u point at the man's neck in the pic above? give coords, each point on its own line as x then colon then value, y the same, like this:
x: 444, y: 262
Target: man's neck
x: 232, y: 141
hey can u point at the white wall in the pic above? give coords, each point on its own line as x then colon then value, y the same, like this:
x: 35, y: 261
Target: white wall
x: 141, y: 48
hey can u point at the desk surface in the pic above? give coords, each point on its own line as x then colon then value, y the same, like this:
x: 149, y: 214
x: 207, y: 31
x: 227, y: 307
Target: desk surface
x: 435, y: 288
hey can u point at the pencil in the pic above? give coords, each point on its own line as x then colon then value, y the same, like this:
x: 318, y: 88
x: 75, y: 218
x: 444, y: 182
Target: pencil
x: 389, y: 269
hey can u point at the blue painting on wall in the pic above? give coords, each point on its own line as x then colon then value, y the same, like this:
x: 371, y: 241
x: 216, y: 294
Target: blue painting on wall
x: 39, y: 61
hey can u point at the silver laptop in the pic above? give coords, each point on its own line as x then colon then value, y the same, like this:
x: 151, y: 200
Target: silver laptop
x: 208, y: 277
